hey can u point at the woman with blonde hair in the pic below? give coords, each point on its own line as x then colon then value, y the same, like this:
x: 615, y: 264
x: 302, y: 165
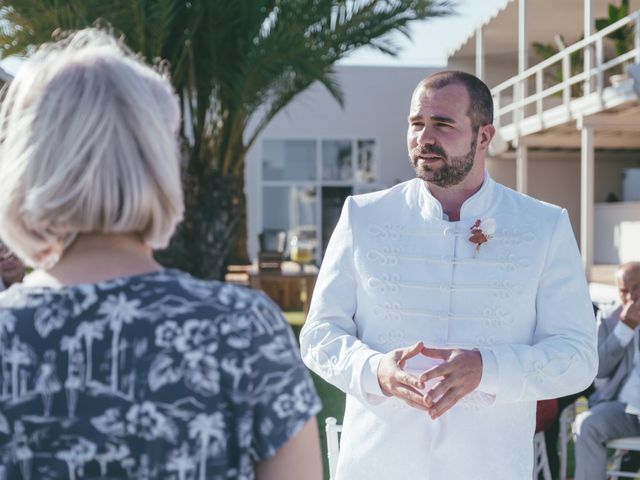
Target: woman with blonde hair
x: 111, y: 366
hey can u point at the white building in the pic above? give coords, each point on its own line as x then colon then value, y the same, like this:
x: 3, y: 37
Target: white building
x: 569, y: 137
x: 315, y: 153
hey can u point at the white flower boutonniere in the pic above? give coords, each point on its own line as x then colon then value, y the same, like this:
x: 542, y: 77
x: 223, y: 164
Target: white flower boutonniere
x: 482, y: 231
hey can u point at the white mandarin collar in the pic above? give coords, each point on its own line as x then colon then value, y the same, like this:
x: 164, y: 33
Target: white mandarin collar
x: 473, y: 207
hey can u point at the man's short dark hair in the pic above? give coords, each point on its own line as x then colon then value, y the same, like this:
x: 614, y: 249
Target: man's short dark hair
x: 480, y: 100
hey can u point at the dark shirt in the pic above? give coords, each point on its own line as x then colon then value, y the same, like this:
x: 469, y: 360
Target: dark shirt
x: 152, y: 376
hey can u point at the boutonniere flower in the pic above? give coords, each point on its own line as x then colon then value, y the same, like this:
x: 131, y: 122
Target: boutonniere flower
x: 482, y: 231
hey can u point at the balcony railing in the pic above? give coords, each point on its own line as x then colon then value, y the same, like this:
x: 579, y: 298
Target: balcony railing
x: 512, y: 102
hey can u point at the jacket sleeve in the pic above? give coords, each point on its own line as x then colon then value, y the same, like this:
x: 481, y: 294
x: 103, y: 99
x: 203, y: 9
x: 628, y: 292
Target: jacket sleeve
x: 563, y: 357
x: 611, y: 349
x: 328, y: 341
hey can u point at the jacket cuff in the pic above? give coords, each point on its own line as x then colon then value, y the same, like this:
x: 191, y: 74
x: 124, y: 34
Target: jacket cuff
x: 369, y: 378
x: 623, y: 332
x: 489, y: 381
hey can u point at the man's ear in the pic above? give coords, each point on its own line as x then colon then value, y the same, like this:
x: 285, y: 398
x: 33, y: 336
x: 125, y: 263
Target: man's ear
x: 485, y: 135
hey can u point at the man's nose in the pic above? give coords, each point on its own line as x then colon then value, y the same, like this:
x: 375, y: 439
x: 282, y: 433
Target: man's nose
x: 425, y: 136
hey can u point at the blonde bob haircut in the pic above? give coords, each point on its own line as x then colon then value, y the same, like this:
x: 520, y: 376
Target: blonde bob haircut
x: 88, y: 144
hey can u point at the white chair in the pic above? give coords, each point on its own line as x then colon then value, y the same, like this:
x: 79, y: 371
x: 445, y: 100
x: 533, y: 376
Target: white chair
x: 567, y: 419
x: 333, y: 430
x: 333, y: 444
x: 621, y: 445
x: 540, y: 459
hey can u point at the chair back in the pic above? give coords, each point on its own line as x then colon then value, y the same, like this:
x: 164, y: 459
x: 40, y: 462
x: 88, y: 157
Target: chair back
x: 332, y: 430
x: 621, y: 446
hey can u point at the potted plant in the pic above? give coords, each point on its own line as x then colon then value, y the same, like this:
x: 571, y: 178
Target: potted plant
x: 623, y: 38
x: 553, y: 74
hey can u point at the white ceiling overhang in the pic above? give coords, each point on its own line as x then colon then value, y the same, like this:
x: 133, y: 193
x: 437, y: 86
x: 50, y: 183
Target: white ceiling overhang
x: 545, y: 19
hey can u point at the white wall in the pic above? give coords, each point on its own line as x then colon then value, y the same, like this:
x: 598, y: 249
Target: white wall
x: 554, y: 176
x: 617, y: 232
x: 376, y: 107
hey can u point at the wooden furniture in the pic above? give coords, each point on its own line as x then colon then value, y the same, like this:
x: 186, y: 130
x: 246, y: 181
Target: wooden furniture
x: 290, y: 287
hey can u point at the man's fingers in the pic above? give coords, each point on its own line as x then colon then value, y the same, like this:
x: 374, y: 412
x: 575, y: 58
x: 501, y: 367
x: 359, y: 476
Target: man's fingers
x: 410, y: 352
x: 435, y: 372
x: 408, y: 379
x: 412, y: 397
x: 434, y: 394
x: 440, y: 353
x: 447, y: 401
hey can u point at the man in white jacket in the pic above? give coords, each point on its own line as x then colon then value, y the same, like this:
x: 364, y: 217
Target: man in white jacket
x: 447, y: 306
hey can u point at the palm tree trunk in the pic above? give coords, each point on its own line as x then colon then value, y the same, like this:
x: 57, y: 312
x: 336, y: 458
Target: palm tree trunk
x: 214, y: 213
x: 114, y: 359
x: 203, y: 457
x: 14, y: 380
x: 88, y: 373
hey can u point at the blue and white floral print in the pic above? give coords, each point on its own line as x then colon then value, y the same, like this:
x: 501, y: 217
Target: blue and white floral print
x: 157, y: 376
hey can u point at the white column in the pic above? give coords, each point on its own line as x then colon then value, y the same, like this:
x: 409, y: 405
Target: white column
x: 523, y: 50
x: 522, y: 167
x: 587, y: 161
x: 521, y: 87
x: 480, y: 53
x: 589, y: 29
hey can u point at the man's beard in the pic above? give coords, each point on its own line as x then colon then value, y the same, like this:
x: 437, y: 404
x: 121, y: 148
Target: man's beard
x: 452, y: 169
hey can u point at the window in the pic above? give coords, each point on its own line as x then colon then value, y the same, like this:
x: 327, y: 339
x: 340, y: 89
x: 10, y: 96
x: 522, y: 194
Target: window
x: 305, y: 183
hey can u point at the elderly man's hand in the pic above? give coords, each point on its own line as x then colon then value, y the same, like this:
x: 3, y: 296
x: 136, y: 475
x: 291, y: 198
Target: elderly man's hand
x: 394, y: 381
x: 459, y: 374
x: 630, y: 314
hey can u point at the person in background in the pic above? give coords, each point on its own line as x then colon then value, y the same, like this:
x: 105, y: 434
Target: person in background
x: 113, y: 366
x: 11, y: 268
x: 618, y: 352
x: 446, y: 306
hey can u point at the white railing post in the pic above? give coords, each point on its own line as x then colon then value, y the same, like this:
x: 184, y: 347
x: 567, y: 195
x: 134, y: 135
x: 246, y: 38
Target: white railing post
x: 566, y: 75
x: 496, y: 110
x: 589, y: 27
x: 516, y: 113
x: 599, y: 62
x: 636, y: 37
x: 539, y: 96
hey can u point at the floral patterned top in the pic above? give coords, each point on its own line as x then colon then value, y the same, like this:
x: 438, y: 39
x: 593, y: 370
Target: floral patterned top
x: 156, y: 376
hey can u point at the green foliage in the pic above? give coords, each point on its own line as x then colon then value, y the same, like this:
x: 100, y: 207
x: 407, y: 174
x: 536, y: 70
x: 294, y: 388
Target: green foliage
x: 235, y: 64
x: 623, y: 38
x: 553, y: 74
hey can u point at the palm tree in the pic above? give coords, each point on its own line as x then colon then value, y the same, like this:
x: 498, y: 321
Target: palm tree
x: 235, y: 65
x: 17, y: 357
x: 90, y: 331
x: 204, y: 427
x: 75, y: 360
x: 117, y: 311
x: 180, y: 462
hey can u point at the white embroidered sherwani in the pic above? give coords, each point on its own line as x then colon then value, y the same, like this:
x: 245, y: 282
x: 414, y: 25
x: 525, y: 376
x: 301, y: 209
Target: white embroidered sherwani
x: 395, y: 273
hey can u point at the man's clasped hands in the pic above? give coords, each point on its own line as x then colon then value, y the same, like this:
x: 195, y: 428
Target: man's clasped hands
x: 438, y: 388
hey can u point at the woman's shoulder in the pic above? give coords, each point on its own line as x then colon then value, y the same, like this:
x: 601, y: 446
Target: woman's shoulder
x: 231, y: 307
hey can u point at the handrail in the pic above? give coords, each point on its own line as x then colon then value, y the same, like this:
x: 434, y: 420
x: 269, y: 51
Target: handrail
x: 635, y: 16
x: 518, y: 104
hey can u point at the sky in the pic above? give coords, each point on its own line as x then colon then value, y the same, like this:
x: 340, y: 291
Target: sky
x: 432, y: 40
